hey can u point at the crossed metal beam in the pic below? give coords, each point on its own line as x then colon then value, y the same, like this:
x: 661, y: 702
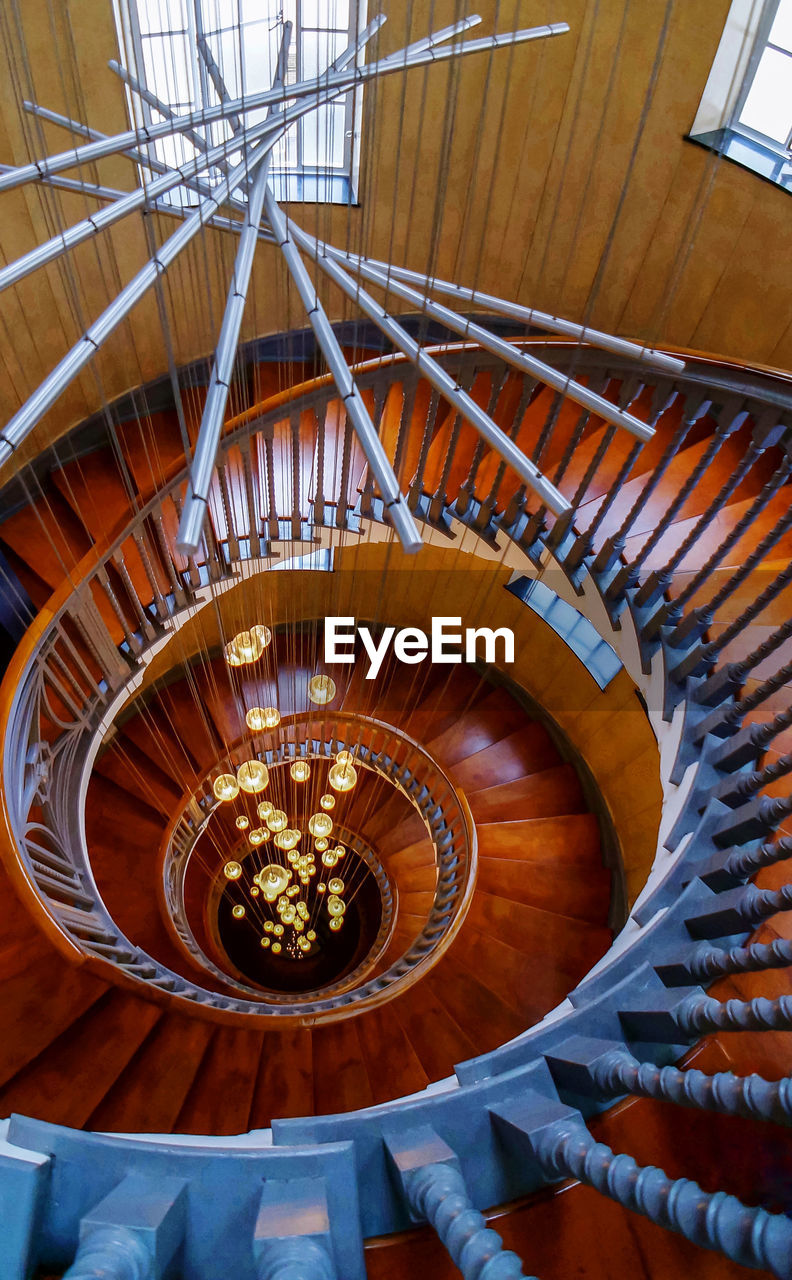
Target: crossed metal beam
x: 259, y: 217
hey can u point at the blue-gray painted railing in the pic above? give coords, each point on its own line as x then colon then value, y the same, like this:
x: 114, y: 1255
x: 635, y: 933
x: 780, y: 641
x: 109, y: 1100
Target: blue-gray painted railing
x: 645, y: 1004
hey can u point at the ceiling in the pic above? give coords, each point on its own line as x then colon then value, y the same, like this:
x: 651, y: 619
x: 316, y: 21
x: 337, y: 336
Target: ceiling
x: 546, y: 174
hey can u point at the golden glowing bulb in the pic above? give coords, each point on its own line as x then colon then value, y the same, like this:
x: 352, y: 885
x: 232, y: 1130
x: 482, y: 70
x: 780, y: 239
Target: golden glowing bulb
x: 321, y: 689
x: 304, y: 944
x: 264, y: 809
x: 247, y: 646
x: 300, y: 771
x: 242, y: 823
x: 335, y: 885
x: 226, y: 787
x: 268, y: 926
x: 302, y: 910
x: 329, y: 858
x: 327, y: 801
x: 320, y: 888
x: 265, y: 941
x: 339, y: 851
x: 276, y: 946
x: 259, y: 718
x: 344, y: 757
x: 336, y: 923
x: 258, y: 835
x: 277, y: 929
x: 292, y: 890
x: 336, y: 906
x: 254, y: 892
x: 287, y: 839
x: 311, y: 935
x: 238, y: 911
x: 321, y: 845
x: 273, y: 880
x: 232, y: 871
x: 288, y: 914
x: 277, y: 820
x: 342, y: 777
x: 320, y: 824
x: 253, y: 776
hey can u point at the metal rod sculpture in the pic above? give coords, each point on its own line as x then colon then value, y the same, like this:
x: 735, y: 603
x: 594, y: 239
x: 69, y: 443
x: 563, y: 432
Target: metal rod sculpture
x: 245, y: 189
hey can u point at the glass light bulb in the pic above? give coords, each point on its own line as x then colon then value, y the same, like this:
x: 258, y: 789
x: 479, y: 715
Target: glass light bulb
x: 264, y: 809
x: 265, y: 941
x: 277, y: 820
x: 327, y: 801
x: 320, y: 824
x: 342, y: 777
x: 238, y: 911
x: 276, y: 946
x: 260, y: 718
x: 226, y: 787
x: 335, y: 885
x: 288, y: 914
x: 311, y: 935
x: 321, y: 887
x: 336, y: 923
x: 300, y: 771
x: 254, y: 892
x: 329, y: 858
x: 241, y: 823
x: 302, y: 910
x: 253, y: 776
x: 247, y: 646
x: 320, y: 845
x: 344, y: 757
x: 321, y: 689
x: 232, y: 871
x: 277, y: 929
x: 304, y: 944
x: 268, y: 926
x: 335, y: 905
x: 258, y: 835
x: 287, y: 839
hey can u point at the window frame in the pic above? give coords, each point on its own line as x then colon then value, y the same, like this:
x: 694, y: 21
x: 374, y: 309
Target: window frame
x: 329, y: 184
x: 762, y: 42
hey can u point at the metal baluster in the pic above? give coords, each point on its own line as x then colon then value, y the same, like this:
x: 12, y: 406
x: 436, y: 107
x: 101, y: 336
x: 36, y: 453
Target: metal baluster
x: 250, y: 498
x: 228, y: 510
x: 628, y: 575
x: 630, y: 391
x: 729, y: 679
x: 319, y: 498
x: 487, y: 509
x: 743, y: 863
x: 367, y: 496
x: 750, y: 742
x: 555, y: 1137
x: 416, y: 488
x: 701, y: 657
x: 752, y: 821
x: 702, y: 1015
x: 268, y: 435
x: 605, y: 1068
x: 342, y: 506
x: 698, y: 620
x: 141, y: 537
x: 466, y: 493
x: 658, y: 582
x: 428, y: 1172
x: 742, y: 786
x: 581, y: 546
x: 132, y: 640
x: 409, y: 389
x: 538, y: 522
x: 707, y: 963
x: 296, y: 457
x: 662, y: 400
x: 740, y: 909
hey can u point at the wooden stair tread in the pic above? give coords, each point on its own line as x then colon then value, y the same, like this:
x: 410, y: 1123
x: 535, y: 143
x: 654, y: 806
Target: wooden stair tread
x: 575, y: 944
x: 526, y: 750
x: 392, y: 1063
x: 220, y: 1099
x: 436, y: 1038
x: 582, y: 896
x: 72, y: 1074
x: 340, y: 1079
x: 284, y: 1084
x: 549, y: 793
x: 565, y: 838
x: 38, y: 1005
x: 151, y: 1091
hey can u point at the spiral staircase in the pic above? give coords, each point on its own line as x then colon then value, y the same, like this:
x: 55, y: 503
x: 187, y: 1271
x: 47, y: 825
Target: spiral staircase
x: 584, y: 873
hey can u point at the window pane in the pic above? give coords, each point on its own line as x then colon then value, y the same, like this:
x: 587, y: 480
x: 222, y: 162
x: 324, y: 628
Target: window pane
x: 323, y: 137
x: 162, y: 15
x: 224, y: 47
x: 325, y: 13
x: 167, y: 70
x: 768, y: 107
x: 319, y: 49
x: 259, y: 56
x: 781, y: 30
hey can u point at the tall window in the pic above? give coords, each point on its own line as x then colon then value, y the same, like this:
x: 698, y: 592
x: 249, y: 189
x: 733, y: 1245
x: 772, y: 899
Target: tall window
x: 161, y: 43
x: 764, y: 109
x: 746, y: 110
